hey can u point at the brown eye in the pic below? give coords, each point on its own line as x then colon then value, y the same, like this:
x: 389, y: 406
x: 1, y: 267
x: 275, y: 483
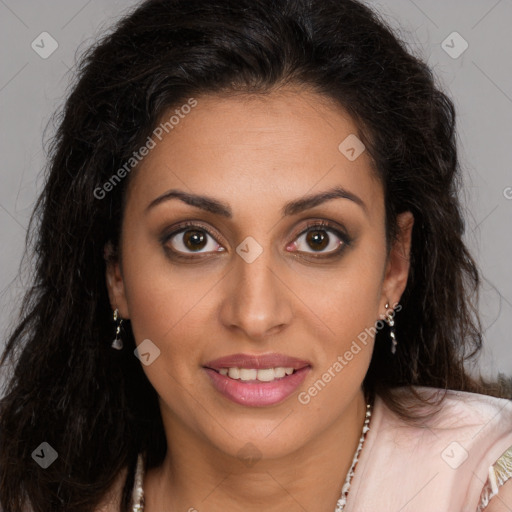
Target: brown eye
x: 190, y: 239
x: 317, y: 239
x: 194, y: 240
x: 323, y: 239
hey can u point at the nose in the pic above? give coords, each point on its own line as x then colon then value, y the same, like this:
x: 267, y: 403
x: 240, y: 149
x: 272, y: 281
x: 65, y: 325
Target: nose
x: 257, y: 301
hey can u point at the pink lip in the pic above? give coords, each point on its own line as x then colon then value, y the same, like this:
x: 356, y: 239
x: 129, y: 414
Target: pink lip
x: 254, y: 393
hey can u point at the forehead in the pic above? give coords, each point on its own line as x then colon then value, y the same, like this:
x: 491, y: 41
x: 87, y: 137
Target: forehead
x: 259, y: 150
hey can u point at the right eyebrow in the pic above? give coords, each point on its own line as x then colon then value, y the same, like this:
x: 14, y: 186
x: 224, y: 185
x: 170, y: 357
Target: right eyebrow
x: 205, y: 203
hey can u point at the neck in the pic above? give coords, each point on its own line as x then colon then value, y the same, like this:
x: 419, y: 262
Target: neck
x: 195, y: 476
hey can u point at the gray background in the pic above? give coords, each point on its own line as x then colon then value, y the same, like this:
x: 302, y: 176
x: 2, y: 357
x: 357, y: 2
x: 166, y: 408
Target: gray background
x: 478, y: 80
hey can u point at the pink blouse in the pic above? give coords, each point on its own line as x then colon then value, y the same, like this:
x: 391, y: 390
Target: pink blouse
x: 454, y: 462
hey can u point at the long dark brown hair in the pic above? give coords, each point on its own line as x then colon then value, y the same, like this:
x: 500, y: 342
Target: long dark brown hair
x: 94, y: 405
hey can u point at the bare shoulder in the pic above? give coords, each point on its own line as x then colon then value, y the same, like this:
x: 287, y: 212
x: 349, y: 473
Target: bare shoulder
x: 502, y: 502
x: 112, y: 500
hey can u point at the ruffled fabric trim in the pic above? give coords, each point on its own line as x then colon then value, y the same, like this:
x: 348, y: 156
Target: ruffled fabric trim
x: 499, y: 473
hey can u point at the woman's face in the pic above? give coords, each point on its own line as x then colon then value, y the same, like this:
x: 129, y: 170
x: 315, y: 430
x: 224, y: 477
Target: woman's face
x: 246, y: 280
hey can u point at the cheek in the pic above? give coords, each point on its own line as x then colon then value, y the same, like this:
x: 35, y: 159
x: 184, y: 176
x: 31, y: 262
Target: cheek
x: 160, y: 294
x: 349, y: 312
x: 348, y: 299
x: 166, y: 304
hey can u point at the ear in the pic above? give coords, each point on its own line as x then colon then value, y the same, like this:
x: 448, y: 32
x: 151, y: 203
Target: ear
x: 397, y: 268
x: 115, y: 282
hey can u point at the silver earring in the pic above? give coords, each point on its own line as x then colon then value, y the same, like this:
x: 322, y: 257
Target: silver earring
x: 391, y: 322
x: 118, y: 342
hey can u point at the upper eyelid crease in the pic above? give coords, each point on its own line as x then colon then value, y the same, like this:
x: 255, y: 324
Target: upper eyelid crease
x: 291, y: 208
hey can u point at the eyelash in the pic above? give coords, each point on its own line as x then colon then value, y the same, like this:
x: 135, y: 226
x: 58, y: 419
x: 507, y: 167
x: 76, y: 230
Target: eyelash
x: 310, y: 226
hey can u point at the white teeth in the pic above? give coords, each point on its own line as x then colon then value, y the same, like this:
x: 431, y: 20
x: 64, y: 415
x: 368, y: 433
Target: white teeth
x: 279, y: 372
x: 234, y: 373
x: 267, y: 375
x: 263, y: 375
x: 246, y: 374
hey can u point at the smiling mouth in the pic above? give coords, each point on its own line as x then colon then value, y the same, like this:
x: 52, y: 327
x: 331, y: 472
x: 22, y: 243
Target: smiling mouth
x: 257, y: 387
x: 257, y: 380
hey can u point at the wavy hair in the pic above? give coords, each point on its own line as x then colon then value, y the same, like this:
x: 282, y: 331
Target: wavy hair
x: 94, y: 405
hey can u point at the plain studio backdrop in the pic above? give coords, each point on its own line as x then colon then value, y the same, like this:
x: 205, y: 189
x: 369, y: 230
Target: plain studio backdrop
x: 468, y: 43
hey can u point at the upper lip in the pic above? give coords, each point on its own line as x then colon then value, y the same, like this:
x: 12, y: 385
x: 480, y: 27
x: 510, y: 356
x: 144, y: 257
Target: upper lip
x: 257, y: 361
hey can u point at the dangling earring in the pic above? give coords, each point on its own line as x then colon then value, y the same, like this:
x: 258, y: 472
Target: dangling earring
x: 391, y: 322
x: 118, y: 342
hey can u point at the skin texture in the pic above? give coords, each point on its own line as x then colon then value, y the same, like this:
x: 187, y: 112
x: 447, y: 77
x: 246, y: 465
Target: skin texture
x: 255, y: 154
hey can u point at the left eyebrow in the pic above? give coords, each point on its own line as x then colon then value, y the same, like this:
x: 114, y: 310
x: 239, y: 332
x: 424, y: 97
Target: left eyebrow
x: 291, y: 208
x: 299, y: 205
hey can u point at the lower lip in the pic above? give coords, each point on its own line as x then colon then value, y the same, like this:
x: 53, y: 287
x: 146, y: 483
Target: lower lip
x: 256, y: 393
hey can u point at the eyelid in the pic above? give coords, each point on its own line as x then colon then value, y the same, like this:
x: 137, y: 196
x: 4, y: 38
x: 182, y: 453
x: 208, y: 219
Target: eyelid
x: 328, y: 226
x: 182, y: 226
